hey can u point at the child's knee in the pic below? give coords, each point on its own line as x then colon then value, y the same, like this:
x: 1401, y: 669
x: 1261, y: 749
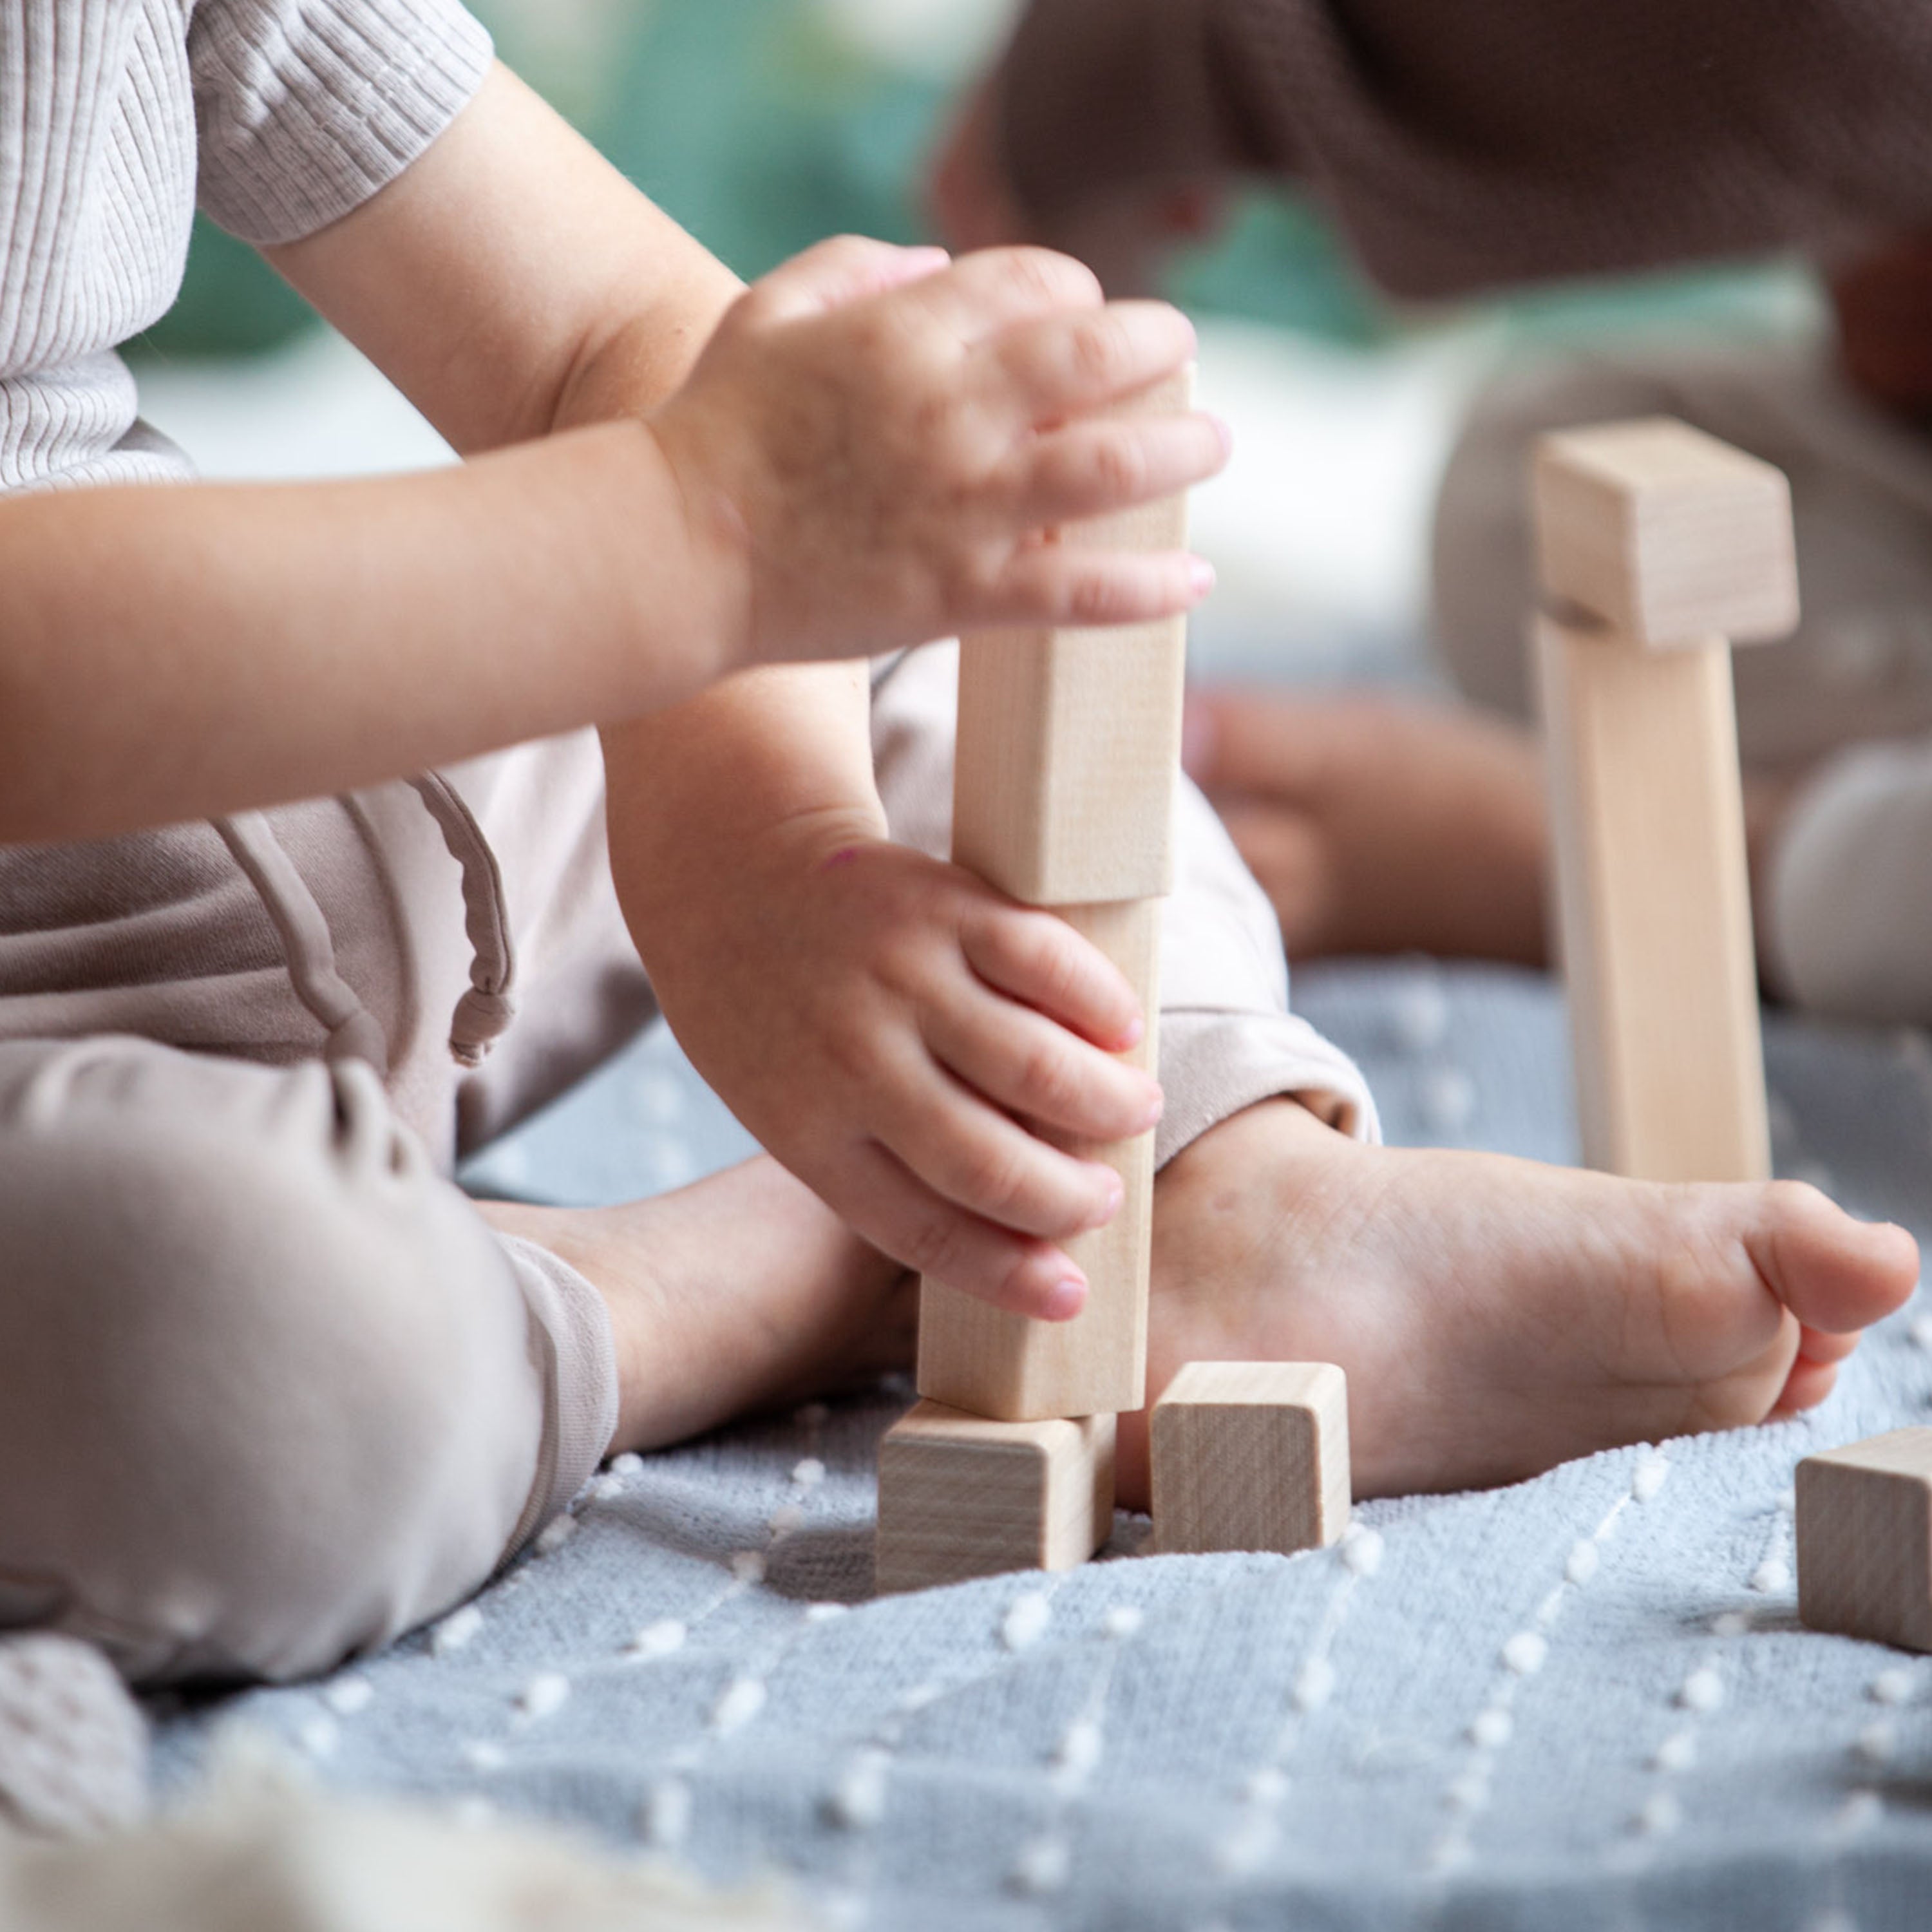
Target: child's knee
x: 266, y: 1391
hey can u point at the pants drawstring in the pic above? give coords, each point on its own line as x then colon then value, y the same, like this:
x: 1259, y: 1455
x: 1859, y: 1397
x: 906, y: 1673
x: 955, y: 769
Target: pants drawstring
x: 486, y: 1010
x: 354, y: 1032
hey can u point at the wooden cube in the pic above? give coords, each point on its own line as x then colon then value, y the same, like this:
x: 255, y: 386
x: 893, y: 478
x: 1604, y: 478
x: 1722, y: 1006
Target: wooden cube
x: 1251, y: 1456
x: 962, y: 1496
x: 1865, y: 1539
x: 1665, y: 534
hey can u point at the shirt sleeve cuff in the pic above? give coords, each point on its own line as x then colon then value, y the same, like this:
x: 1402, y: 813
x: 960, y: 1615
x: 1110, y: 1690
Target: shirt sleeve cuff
x: 304, y: 113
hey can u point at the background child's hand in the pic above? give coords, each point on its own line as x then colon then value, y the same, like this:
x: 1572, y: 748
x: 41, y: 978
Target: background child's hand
x: 879, y: 1020
x: 876, y: 445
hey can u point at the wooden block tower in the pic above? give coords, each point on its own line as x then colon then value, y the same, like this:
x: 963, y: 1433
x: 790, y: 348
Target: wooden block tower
x: 1658, y: 547
x: 1068, y: 748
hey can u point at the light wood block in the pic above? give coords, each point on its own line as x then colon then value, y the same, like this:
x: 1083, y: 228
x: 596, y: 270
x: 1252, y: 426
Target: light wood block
x: 976, y: 1356
x: 1069, y: 740
x: 1665, y: 534
x: 960, y: 1496
x: 1069, y: 753
x: 1865, y: 1539
x: 1251, y: 1456
x: 1654, y: 907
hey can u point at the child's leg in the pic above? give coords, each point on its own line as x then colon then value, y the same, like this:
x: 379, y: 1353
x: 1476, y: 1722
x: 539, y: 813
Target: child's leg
x: 1494, y: 1316
x: 270, y: 1391
x: 270, y: 1388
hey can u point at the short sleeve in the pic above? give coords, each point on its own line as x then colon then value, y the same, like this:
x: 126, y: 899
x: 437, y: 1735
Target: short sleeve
x: 304, y: 108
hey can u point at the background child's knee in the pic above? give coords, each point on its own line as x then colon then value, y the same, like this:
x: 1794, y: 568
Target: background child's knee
x: 267, y: 1390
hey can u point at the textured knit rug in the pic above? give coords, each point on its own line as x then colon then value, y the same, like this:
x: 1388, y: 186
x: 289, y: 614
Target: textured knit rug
x: 1585, y: 1702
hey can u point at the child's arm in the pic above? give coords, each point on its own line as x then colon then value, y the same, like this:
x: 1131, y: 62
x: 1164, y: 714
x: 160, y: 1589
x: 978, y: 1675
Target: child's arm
x: 875, y: 1017
x: 876, y: 1021
x: 166, y: 653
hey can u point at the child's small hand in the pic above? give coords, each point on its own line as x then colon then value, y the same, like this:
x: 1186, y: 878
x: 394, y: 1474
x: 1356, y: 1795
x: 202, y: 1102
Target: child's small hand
x: 884, y: 1023
x: 877, y: 448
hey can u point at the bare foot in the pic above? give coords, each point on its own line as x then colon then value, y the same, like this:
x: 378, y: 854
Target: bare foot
x: 740, y: 1292
x: 1376, y: 825
x: 1494, y: 1316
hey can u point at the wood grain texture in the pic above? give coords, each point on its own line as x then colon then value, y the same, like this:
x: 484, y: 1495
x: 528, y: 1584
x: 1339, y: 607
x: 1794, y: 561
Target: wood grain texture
x: 1665, y: 534
x: 980, y: 1358
x: 1653, y: 903
x: 1865, y: 1539
x: 1069, y: 740
x: 1251, y: 1456
x: 960, y: 1496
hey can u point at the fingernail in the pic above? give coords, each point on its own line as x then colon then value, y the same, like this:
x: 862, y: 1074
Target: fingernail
x: 1200, y: 577
x: 1156, y: 1105
x: 1117, y: 1192
x: 1131, y: 1034
x: 1064, y: 1299
x: 1222, y: 430
x: 1199, y: 733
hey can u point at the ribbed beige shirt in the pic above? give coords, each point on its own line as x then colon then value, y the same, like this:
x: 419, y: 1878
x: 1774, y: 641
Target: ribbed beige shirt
x: 281, y: 114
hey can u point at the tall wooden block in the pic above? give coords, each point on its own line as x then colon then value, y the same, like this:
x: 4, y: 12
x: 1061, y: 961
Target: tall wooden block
x: 978, y: 1357
x: 1865, y: 1539
x: 1657, y: 545
x: 960, y: 1496
x: 1654, y: 907
x: 1069, y: 740
x: 1069, y: 753
x: 1251, y: 1456
x: 1664, y: 533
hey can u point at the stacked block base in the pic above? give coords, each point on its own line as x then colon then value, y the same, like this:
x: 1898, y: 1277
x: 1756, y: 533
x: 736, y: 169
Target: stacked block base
x: 960, y: 1496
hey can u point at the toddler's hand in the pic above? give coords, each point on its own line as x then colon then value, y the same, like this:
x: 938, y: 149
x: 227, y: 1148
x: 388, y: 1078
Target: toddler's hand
x: 877, y: 448
x: 884, y: 1023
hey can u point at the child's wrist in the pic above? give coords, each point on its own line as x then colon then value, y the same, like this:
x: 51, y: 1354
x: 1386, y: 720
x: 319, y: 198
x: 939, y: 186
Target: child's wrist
x: 714, y: 544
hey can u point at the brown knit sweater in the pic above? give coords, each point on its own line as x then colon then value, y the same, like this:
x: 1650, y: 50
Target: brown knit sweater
x: 1466, y: 143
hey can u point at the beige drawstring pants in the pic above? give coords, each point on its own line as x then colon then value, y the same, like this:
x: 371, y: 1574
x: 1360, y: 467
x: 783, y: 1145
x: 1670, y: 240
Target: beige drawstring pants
x: 271, y: 1391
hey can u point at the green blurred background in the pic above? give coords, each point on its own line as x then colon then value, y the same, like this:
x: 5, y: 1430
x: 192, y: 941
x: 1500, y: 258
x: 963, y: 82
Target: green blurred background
x: 764, y: 124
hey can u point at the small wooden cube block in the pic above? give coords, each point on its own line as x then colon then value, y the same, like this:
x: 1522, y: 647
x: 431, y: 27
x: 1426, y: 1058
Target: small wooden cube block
x: 1665, y: 534
x: 1251, y: 1456
x: 1865, y: 1539
x: 962, y: 1496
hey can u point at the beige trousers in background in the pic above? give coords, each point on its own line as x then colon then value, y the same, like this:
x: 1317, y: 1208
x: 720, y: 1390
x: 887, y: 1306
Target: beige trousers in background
x: 1845, y: 925
x: 271, y: 1391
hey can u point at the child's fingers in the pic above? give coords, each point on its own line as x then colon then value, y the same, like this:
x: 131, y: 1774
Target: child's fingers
x: 1065, y: 585
x: 896, y: 1212
x: 845, y: 269
x: 1066, y: 364
x: 981, y: 296
x: 1090, y: 468
x: 1025, y: 1063
x: 1041, y: 960
x: 974, y: 1155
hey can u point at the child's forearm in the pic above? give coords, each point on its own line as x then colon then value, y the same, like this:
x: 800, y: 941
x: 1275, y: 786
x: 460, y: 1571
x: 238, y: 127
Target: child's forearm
x: 784, y: 751
x: 170, y: 652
